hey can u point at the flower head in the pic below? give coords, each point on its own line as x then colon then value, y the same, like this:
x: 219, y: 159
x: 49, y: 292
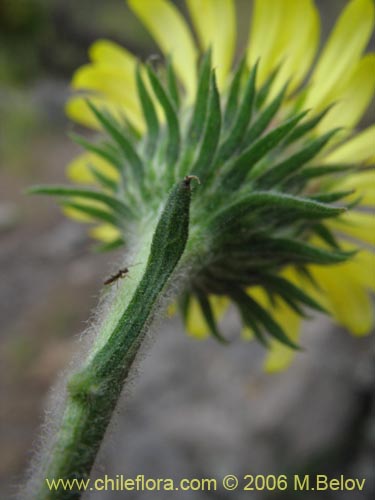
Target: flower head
x: 269, y: 227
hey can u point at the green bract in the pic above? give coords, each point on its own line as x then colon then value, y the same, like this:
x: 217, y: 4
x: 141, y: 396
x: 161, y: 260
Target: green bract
x: 262, y: 196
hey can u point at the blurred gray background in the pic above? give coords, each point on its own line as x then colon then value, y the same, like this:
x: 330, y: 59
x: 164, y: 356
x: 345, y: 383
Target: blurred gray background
x: 194, y: 409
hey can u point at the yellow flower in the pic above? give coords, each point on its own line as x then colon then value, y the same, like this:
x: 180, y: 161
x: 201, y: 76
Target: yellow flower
x: 285, y: 33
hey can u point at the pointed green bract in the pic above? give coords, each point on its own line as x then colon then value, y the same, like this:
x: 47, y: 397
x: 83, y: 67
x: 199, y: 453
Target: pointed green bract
x: 265, y: 319
x: 93, y: 212
x: 99, y: 150
x: 211, y: 134
x: 172, y: 84
x: 265, y: 117
x: 110, y: 201
x: 102, y: 179
x: 264, y: 91
x: 242, y: 206
x: 201, y: 102
x: 242, y: 165
x: 129, y: 151
x: 285, y: 288
x: 296, y: 251
x: 241, y: 300
x: 242, y: 119
x: 231, y: 107
x: 108, y: 247
x: 173, y: 146
x: 305, y: 127
x: 325, y: 235
x: 281, y: 171
x: 149, y: 113
x: 209, y: 317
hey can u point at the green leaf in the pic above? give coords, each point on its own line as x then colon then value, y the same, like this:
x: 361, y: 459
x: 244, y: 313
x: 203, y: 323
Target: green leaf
x: 200, y: 107
x: 285, y: 168
x: 173, y: 146
x: 211, y: 134
x: 123, y: 143
x: 241, y: 166
x: 209, y: 317
x: 110, y: 201
x: 242, y: 119
x: 149, y: 114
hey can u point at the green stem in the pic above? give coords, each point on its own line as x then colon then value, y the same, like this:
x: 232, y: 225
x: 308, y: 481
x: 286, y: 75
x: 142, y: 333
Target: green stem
x: 93, y: 392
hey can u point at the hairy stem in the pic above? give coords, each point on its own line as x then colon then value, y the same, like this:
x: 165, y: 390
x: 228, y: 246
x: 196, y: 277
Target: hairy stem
x: 93, y: 392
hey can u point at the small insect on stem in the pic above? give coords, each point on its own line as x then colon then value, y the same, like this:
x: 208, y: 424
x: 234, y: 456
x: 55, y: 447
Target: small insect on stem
x: 121, y: 273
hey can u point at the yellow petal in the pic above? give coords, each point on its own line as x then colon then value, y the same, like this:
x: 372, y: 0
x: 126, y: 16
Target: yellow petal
x: 279, y: 357
x: 363, y: 183
x: 110, y: 53
x: 113, y: 83
x: 247, y: 334
x: 258, y: 294
x: 168, y: 27
x: 348, y: 300
x: 76, y: 108
x: 195, y: 322
x: 286, y: 32
x: 78, y: 171
x: 76, y: 215
x: 105, y: 232
x: 357, y: 150
x: 111, y: 78
x: 353, y: 98
x: 172, y: 309
x: 362, y: 267
x: 358, y: 225
x: 215, y: 23
x: 296, y: 44
x: 219, y: 305
x: 266, y: 21
x: 342, y: 51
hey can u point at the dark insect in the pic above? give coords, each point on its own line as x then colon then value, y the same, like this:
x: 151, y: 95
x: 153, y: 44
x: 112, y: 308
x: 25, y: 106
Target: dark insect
x: 121, y: 273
